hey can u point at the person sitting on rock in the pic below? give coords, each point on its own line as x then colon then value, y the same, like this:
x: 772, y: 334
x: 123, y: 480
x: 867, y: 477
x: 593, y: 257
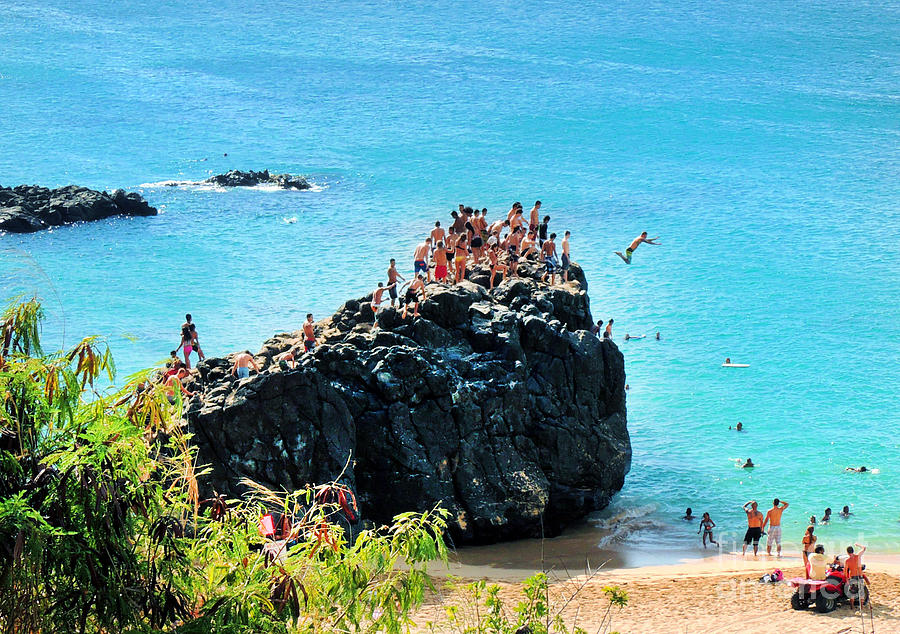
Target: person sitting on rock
x: 416, y: 288
x: 529, y: 245
x: 176, y: 381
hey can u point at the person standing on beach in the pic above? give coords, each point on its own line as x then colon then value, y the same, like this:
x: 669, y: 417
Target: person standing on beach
x: 754, y: 527
x: 809, y: 546
x: 773, y: 519
x: 565, y: 256
x: 707, y: 526
x: 853, y: 572
x: 242, y: 363
x: 393, y: 276
x: 635, y: 244
x: 420, y: 258
x: 309, y: 334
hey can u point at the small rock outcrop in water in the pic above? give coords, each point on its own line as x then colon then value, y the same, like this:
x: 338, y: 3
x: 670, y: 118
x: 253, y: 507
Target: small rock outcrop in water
x: 29, y: 208
x: 237, y: 178
x: 502, y: 407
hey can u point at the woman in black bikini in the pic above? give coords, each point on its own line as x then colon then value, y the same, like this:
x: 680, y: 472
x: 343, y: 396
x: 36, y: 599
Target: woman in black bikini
x: 706, y: 525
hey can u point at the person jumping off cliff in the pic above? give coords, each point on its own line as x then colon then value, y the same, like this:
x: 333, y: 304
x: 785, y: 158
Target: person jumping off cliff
x: 635, y: 244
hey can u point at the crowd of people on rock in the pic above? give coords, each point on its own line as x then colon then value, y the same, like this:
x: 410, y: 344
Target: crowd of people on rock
x: 446, y: 254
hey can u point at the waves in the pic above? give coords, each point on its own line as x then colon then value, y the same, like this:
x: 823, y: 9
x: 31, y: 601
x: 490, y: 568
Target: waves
x: 204, y: 186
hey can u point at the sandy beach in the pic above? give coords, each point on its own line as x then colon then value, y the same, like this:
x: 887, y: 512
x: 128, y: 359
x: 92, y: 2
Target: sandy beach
x: 718, y: 594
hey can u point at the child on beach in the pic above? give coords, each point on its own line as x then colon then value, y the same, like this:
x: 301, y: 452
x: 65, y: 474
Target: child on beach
x: 706, y: 525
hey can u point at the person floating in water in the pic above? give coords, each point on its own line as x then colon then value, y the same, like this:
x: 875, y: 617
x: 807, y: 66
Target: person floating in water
x: 738, y: 427
x: 845, y: 512
x: 853, y: 469
x: 657, y: 335
x: 242, y: 363
x: 706, y: 525
x: 688, y: 515
x: 827, y: 517
x: 635, y: 244
x: 749, y: 464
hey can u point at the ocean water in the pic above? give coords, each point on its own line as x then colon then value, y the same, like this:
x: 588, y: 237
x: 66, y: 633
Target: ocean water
x: 761, y: 141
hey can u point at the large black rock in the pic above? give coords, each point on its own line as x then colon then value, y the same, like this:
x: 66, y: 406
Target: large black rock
x: 502, y: 407
x: 29, y: 208
x: 237, y: 178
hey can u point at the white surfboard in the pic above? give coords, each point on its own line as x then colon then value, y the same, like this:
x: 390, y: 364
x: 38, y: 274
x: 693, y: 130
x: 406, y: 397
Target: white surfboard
x: 735, y: 365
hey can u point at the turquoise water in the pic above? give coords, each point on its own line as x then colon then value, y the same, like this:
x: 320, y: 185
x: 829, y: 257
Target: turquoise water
x: 761, y: 141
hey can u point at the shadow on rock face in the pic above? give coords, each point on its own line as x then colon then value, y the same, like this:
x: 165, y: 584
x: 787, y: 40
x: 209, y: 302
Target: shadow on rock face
x: 499, y: 406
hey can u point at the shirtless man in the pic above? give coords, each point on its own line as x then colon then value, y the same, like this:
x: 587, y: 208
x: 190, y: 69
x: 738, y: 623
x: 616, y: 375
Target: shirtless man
x: 377, y: 295
x: 548, y: 251
x: 517, y: 220
x: 309, y: 334
x: 512, y: 248
x: 438, y: 234
x: 420, y: 258
x: 773, y: 519
x: 393, y: 276
x: 754, y: 527
x: 512, y: 212
x: 416, y: 288
x: 533, y: 216
x: 529, y: 244
x: 440, y: 263
x: 635, y: 244
x: 242, y: 363
x: 176, y: 381
x: 607, y: 334
x: 565, y: 256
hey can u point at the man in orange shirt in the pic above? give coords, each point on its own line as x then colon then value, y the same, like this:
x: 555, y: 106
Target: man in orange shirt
x: 754, y: 527
x: 773, y: 519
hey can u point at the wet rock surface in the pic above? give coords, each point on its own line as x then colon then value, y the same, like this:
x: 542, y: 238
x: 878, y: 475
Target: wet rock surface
x: 30, y: 208
x: 500, y: 406
x: 238, y: 178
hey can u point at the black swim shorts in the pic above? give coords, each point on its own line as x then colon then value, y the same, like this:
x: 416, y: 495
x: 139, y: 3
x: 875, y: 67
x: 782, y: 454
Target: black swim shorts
x: 753, y: 534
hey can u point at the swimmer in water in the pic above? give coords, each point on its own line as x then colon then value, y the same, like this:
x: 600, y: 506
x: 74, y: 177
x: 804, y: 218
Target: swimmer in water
x: 688, y: 515
x: 749, y: 464
x: 827, y: 517
x: 738, y: 427
x: 856, y: 469
x: 845, y: 512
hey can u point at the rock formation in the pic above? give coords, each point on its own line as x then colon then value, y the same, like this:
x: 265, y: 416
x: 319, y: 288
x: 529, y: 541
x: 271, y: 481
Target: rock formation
x: 500, y: 406
x: 237, y: 178
x: 29, y: 208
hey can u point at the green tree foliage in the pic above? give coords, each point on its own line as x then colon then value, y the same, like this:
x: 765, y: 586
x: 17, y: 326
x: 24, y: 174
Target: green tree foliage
x: 102, y: 528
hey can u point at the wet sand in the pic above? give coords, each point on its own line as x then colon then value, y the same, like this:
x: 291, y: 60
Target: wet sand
x: 717, y: 594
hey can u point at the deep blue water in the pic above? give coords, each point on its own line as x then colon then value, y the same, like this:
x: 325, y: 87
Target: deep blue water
x: 759, y: 140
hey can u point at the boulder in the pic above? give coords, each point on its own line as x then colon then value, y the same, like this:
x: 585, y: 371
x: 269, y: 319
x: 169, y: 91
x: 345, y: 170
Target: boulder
x: 238, y: 178
x: 499, y: 406
x: 30, y: 208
